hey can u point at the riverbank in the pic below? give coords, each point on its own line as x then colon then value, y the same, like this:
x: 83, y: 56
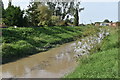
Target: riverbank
x: 100, y: 64
x: 21, y: 42
x: 56, y: 62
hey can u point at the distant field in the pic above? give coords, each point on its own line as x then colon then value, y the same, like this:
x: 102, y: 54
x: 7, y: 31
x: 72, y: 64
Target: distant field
x: 103, y: 64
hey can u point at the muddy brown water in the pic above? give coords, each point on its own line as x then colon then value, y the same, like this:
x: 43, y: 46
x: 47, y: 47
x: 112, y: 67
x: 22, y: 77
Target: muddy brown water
x: 54, y: 63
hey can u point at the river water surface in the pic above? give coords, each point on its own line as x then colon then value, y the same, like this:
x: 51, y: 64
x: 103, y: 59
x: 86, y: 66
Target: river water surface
x: 54, y: 63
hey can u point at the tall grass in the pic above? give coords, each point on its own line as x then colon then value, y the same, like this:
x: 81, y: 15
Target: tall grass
x: 24, y: 41
x: 103, y: 64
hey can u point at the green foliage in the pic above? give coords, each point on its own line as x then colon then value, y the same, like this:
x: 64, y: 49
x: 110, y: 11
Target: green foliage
x: 17, y: 50
x: 32, y: 14
x: 1, y: 9
x: 103, y: 64
x: 39, y: 14
x: 55, y: 20
x: 100, y: 65
x: 44, y: 15
x: 10, y: 3
x: 112, y: 41
x: 52, y: 7
x: 61, y: 23
x: 24, y: 48
x: 5, y: 50
x: 106, y: 20
x: 13, y: 16
x: 90, y: 30
x: 23, y: 41
x: 76, y: 16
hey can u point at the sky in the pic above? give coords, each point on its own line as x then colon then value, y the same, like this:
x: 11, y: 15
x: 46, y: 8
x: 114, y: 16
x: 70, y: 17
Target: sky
x: 99, y: 11
x: 95, y: 10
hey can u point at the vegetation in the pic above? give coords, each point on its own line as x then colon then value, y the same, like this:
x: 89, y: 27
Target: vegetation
x: 42, y: 14
x: 13, y: 16
x: 32, y: 14
x: 103, y: 64
x: 22, y: 42
x: 106, y: 21
x: 76, y: 18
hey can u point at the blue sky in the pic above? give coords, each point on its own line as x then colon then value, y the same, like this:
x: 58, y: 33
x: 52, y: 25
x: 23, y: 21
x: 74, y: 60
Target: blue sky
x: 95, y: 10
x: 99, y: 11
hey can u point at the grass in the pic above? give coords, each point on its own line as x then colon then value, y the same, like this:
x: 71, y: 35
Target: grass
x: 103, y: 64
x: 24, y: 41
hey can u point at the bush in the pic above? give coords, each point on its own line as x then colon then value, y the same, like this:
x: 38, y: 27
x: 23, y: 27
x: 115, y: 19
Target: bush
x: 8, y: 50
x: 20, y: 49
x: 90, y: 30
x: 24, y: 47
x: 23, y: 41
x: 55, y: 19
x: 61, y: 23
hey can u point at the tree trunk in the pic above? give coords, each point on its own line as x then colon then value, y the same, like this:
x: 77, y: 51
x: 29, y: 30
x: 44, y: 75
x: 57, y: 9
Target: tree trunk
x: 76, y: 18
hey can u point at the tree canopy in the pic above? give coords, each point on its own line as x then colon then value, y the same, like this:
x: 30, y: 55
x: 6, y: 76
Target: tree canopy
x: 106, y: 20
x: 43, y: 13
x: 13, y: 16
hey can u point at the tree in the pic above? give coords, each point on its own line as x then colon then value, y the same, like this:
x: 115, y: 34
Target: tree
x: 64, y: 9
x: 13, y: 16
x: 44, y: 15
x: 10, y: 3
x: 76, y: 18
x: 25, y: 21
x: 60, y: 8
x: 51, y: 6
x: 76, y: 15
x: 55, y: 20
x: 1, y: 11
x: 32, y: 13
x: 106, y: 20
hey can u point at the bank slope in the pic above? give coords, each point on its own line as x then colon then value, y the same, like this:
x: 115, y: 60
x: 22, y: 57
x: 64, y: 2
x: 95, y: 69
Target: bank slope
x: 103, y: 64
x: 23, y: 41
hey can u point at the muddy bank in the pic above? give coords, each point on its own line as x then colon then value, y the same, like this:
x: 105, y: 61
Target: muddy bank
x: 54, y: 63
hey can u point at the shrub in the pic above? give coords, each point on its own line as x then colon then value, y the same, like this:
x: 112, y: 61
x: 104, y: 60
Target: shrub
x: 61, y: 23
x: 24, y: 48
x: 55, y: 19
x: 8, y: 50
x: 23, y: 41
x: 20, y: 49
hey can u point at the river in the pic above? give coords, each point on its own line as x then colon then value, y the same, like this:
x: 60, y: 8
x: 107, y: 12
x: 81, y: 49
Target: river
x: 50, y: 64
x: 54, y: 63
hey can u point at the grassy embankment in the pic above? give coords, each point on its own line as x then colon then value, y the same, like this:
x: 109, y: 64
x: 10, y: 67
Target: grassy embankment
x: 103, y: 64
x: 21, y: 42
